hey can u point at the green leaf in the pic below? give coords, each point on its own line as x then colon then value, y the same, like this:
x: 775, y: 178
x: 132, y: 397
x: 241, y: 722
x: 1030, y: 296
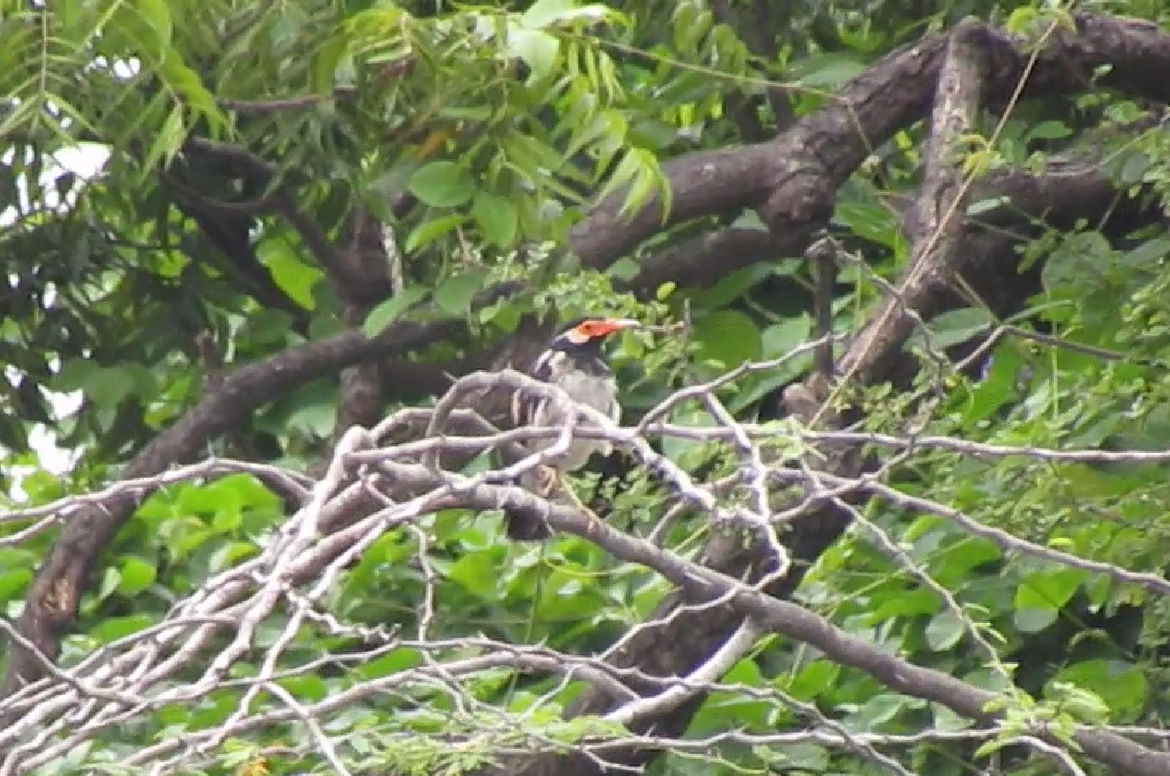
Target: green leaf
x: 639, y: 174
x: 948, y: 721
x: 114, y: 628
x: 731, y: 709
x: 73, y: 375
x: 306, y: 687
x: 1085, y: 707
x: 167, y: 142
x: 13, y: 583
x: 1135, y: 168
x: 477, y: 574
x: 988, y: 748
x: 13, y: 434
x: 110, y: 581
x: 317, y: 418
x: 864, y: 215
x: 729, y: 287
x: 624, y: 269
x: 1049, y: 589
x: 226, y: 521
x: 954, y: 327
x: 428, y: 231
x: 1033, y: 620
x: 944, y: 631
x: 442, y: 184
x: 538, y: 49
x: 1049, y: 130
x: 109, y: 386
x: 229, y: 555
x: 137, y: 575
x: 775, y: 342
x: 989, y: 679
x: 397, y: 661
x: 880, y: 709
x: 1120, y: 685
x: 606, y: 129
x: 653, y: 133
x: 203, y: 500
x: 826, y: 71
x: 986, y: 204
x: 294, y: 277
x: 497, y: 218
x: 393, y: 308
x: 542, y: 13
x: 795, y: 758
x: 728, y: 336
x: 158, y: 15
x: 329, y: 59
x: 200, y: 102
x: 783, y: 338
x: 952, y: 565
x: 904, y: 603
x: 454, y: 295
x: 676, y: 448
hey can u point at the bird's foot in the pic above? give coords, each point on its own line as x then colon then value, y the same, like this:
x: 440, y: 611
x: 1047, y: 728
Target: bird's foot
x: 547, y: 479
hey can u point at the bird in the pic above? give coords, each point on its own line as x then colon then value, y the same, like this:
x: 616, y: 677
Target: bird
x: 574, y: 361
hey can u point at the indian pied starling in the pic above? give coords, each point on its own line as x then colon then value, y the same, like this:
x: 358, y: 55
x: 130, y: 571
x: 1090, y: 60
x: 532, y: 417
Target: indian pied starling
x: 574, y: 361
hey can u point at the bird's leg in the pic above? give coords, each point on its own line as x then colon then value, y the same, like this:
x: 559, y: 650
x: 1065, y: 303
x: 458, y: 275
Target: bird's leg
x: 548, y: 478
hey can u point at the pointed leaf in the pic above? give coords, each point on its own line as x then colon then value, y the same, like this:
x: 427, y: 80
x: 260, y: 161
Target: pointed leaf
x: 390, y: 310
x: 429, y: 231
x: 944, y: 631
x: 497, y: 218
x: 442, y: 184
x: 538, y: 50
x: 454, y: 295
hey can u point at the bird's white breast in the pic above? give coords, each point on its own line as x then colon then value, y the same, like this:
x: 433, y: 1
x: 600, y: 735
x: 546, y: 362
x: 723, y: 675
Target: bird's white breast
x: 596, y: 391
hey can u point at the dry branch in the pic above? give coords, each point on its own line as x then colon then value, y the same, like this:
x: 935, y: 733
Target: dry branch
x: 190, y: 655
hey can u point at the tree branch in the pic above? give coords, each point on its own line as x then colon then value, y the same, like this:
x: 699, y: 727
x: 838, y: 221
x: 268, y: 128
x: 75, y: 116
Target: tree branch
x: 893, y: 93
x: 56, y: 592
x: 792, y: 182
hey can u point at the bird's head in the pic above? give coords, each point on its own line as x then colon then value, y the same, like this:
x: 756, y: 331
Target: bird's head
x: 585, y: 335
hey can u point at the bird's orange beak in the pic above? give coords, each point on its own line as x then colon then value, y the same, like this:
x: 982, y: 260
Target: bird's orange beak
x: 610, y: 325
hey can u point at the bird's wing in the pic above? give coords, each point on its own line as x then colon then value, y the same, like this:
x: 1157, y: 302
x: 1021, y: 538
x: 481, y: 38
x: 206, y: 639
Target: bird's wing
x: 525, y: 410
x: 525, y: 407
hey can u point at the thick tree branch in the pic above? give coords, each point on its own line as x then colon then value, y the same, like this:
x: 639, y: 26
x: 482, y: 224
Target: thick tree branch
x: 937, y: 223
x: 893, y: 93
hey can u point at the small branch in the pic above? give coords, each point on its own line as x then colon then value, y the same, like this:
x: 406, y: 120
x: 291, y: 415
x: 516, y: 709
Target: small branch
x: 281, y: 105
x: 824, y: 266
x: 56, y: 591
x: 732, y: 651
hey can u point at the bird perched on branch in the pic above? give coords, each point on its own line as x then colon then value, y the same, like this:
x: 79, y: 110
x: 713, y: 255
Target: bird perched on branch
x: 574, y: 361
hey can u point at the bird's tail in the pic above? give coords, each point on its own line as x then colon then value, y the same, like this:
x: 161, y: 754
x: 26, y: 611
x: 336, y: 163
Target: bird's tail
x: 525, y: 525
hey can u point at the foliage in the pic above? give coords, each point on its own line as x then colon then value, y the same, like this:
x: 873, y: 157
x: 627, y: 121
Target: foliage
x: 480, y: 134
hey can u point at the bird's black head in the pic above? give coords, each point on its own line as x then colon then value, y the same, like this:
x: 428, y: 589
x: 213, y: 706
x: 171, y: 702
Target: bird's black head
x: 585, y: 335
